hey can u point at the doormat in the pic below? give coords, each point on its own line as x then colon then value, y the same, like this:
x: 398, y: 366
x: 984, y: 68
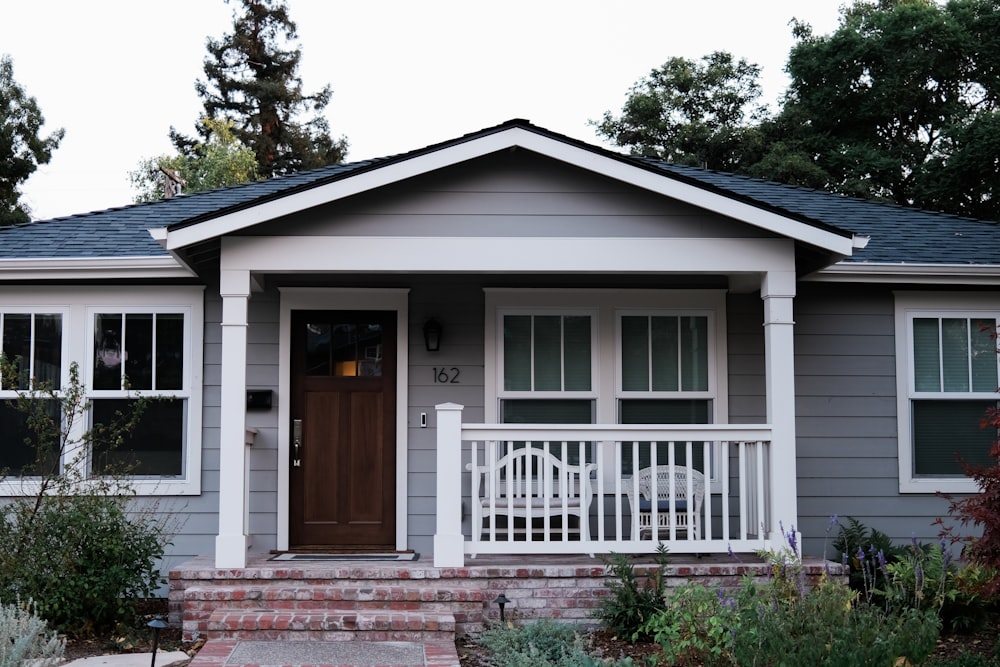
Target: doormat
x: 397, y: 557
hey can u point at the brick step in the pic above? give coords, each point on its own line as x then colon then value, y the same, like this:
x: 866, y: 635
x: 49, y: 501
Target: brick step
x: 331, y: 597
x: 272, y: 624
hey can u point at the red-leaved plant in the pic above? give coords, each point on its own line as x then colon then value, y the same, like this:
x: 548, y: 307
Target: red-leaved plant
x: 981, y: 510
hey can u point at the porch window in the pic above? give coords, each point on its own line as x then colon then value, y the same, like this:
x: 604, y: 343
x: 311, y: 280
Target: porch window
x: 140, y: 354
x: 607, y: 356
x: 32, y: 342
x: 951, y: 380
x: 664, y: 378
x: 548, y: 370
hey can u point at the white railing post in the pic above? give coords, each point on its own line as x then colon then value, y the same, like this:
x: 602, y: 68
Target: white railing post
x: 449, y: 544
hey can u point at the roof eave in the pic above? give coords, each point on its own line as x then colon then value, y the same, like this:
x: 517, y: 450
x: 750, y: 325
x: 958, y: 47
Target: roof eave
x: 92, y: 268
x: 917, y: 274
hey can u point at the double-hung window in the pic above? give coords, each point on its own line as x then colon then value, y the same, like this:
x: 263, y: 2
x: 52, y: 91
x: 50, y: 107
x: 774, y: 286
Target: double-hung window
x: 140, y: 352
x: 32, y: 343
x: 547, y: 362
x: 123, y: 351
x: 948, y: 379
x: 665, y: 376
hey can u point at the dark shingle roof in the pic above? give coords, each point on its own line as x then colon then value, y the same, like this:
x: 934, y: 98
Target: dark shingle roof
x: 898, y: 235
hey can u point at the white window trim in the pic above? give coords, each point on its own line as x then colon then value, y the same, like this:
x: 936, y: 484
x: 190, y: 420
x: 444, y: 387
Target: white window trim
x: 554, y: 311
x: 935, y: 305
x: 608, y: 304
x: 77, y: 304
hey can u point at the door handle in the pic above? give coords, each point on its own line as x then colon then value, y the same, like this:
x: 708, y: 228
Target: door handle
x: 296, y: 443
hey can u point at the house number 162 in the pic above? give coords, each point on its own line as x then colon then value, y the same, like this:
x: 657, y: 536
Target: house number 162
x: 446, y: 375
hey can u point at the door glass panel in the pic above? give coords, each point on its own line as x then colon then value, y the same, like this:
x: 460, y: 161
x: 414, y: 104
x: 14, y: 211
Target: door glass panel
x: 344, y: 349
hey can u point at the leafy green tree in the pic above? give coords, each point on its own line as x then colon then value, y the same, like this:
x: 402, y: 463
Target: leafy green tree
x: 696, y: 113
x: 22, y: 148
x: 218, y: 161
x: 251, y: 79
x: 895, y: 102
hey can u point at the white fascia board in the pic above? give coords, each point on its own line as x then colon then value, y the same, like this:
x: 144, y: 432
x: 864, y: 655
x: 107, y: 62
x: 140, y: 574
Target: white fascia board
x: 62, y: 268
x: 919, y: 274
x: 513, y: 137
x: 384, y: 254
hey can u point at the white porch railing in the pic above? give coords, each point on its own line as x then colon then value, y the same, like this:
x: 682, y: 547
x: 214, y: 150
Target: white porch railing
x: 513, y: 507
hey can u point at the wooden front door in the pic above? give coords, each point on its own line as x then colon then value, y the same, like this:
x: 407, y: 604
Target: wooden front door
x: 343, y: 449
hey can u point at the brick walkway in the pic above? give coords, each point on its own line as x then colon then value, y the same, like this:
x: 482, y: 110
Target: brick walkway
x: 234, y: 653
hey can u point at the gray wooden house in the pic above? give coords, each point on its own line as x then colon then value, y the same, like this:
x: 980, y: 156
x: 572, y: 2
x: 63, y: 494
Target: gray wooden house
x: 477, y: 347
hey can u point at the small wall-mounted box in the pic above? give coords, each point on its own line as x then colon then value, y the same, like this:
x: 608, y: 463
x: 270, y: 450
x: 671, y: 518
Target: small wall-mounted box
x: 259, y: 399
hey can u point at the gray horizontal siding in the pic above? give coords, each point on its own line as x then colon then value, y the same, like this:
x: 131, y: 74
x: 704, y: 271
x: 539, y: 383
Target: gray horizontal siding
x: 521, y: 195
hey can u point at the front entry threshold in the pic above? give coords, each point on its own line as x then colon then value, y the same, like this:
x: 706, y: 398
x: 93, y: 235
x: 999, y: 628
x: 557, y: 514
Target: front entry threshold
x: 384, y: 556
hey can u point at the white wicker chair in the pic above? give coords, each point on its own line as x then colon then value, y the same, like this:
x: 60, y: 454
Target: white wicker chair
x: 687, y: 514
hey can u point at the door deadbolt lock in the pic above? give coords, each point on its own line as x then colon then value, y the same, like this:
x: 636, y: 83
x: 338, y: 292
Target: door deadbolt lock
x: 296, y: 443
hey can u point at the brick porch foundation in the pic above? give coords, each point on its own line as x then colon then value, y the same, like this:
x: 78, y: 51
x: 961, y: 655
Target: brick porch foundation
x: 412, y: 601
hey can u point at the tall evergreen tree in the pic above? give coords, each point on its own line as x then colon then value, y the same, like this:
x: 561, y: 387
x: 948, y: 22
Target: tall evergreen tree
x: 22, y: 149
x: 251, y: 79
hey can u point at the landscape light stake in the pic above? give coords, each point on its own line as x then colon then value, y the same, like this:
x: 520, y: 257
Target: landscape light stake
x: 157, y: 624
x: 502, y: 602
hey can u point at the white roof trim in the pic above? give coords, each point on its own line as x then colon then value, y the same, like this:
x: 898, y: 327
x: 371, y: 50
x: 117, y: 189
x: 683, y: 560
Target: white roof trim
x: 462, y: 151
x: 63, y: 268
x: 921, y: 274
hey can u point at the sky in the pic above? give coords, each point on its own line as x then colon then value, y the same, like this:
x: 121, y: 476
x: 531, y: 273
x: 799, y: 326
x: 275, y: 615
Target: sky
x: 117, y: 74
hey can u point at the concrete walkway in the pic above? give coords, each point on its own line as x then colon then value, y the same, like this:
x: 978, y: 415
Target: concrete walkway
x: 163, y: 659
x: 238, y: 653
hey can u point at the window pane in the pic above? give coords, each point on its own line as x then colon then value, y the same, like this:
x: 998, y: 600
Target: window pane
x: 107, y: 351
x: 984, y: 355
x: 955, y: 354
x: 926, y: 350
x: 139, y: 351
x: 20, y: 454
x: 155, y: 448
x: 17, y: 346
x: 946, y: 430
x: 654, y: 411
x: 169, y: 351
x: 548, y: 353
x: 665, y: 374
x: 694, y: 353
x: 517, y: 353
x: 577, y: 353
x: 542, y: 411
x: 318, y: 338
x: 48, y: 350
x: 635, y: 353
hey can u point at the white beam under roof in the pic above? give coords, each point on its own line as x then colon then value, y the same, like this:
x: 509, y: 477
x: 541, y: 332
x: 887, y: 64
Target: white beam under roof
x: 918, y: 274
x: 513, y: 137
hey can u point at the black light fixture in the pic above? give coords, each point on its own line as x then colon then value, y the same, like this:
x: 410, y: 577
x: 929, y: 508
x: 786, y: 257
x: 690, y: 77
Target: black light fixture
x: 432, y: 335
x: 502, y: 602
x: 156, y: 624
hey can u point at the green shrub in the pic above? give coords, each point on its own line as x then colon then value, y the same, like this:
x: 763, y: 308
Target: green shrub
x: 82, y: 557
x: 26, y: 639
x: 72, y: 543
x: 543, y: 643
x: 632, y: 600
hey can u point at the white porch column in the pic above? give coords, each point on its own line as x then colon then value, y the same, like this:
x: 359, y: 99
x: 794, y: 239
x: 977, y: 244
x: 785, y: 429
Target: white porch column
x: 449, y: 544
x: 778, y: 292
x: 231, y: 542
